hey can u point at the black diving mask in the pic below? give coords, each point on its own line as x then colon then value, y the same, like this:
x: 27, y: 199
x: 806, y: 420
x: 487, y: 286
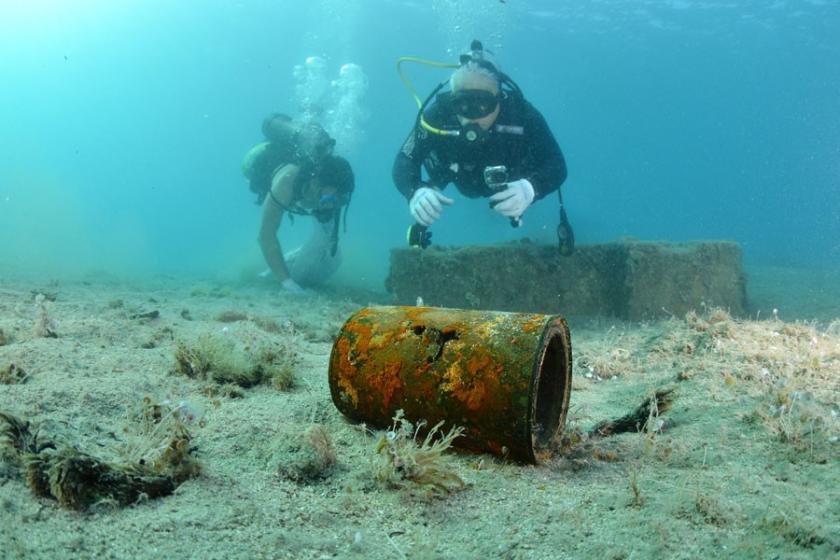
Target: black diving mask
x: 474, y: 103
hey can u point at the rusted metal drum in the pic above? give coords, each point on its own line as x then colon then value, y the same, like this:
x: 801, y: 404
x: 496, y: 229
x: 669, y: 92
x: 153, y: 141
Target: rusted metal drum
x: 504, y: 377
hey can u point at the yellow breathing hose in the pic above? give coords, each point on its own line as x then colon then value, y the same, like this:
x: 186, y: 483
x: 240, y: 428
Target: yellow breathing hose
x: 413, y: 91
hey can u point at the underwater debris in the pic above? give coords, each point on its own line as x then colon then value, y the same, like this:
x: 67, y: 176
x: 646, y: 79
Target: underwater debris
x: 5, y: 338
x: 12, y: 374
x: 222, y: 361
x: 45, y: 326
x: 308, y: 456
x: 157, y: 462
x: 402, y: 462
x: 576, y: 448
x: 505, y: 376
x: 640, y: 420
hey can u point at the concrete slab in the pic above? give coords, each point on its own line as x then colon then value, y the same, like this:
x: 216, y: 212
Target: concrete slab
x: 628, y: 279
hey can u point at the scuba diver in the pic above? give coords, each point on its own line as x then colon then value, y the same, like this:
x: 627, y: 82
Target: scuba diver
x: 487, y: 139
x: 295, y: 172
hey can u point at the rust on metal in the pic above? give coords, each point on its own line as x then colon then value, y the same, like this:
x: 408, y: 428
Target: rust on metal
x: 504, y: 377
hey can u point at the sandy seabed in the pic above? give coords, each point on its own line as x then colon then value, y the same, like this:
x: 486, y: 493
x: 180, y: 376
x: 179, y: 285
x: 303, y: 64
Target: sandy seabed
x: 744, y: 465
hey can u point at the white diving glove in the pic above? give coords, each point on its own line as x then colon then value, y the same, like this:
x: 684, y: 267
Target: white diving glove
x: 292, y: 287
x: 515, y: 199
x: 426, y: 204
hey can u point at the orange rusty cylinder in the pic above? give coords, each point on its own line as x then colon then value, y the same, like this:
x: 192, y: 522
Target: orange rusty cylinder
x: 504, y: 377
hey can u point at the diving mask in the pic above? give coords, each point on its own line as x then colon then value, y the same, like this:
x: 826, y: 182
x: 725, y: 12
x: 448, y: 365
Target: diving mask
x: 474, y: 103
x: 328, y: 202
x: 328, y: 205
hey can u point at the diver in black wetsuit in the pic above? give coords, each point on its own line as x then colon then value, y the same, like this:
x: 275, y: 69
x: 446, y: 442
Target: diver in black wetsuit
x: 488, y: 140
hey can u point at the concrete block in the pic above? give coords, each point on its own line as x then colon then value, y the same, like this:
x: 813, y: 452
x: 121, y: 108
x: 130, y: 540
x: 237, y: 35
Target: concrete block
x: 627, y: 279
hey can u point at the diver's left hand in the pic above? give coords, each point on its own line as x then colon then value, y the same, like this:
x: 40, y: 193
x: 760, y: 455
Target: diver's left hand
x: 515, y: 199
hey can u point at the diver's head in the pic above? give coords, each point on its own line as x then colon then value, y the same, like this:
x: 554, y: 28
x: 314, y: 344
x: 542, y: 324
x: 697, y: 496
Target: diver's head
x: 476, y: 88
x: 332, y: 186
x: 335, y: 181
x: 477, y: 57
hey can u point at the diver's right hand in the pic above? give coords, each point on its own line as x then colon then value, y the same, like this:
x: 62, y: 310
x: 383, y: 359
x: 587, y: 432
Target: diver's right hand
x: 426, y: 204
x: 292, y: 287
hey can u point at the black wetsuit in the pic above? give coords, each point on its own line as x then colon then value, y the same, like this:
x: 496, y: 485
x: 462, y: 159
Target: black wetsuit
x: 519, y: 139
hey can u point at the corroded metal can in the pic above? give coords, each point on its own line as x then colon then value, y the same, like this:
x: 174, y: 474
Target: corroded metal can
x: 504, y: 377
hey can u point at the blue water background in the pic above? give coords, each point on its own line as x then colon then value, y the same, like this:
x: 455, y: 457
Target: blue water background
x: 123, y: 124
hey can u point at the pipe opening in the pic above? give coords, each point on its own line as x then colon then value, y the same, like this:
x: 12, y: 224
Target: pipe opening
x: 551, y: 390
